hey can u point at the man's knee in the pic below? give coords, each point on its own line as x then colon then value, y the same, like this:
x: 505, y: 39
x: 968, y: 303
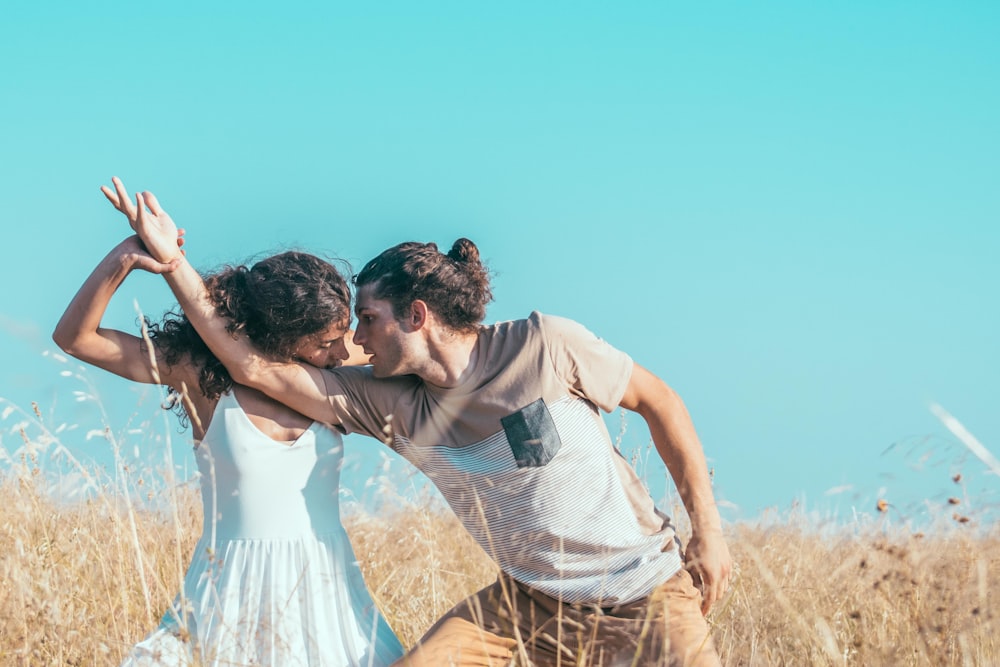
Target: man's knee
x: 456, y: 642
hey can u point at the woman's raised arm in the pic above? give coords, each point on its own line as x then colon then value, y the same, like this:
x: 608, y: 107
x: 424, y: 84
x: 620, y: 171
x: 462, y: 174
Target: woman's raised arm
x: 79, y: 331
x: 299, y: 386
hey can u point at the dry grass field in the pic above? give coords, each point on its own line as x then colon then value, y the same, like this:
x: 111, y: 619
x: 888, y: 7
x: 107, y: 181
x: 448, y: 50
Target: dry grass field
x: 81, y: 581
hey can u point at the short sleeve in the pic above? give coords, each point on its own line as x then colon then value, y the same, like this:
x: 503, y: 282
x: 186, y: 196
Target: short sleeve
x: 363, y: 402
x: 589, y: 366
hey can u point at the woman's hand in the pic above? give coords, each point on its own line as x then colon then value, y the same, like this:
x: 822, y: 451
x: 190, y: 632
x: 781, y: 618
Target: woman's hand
x: 158, y: 233
x: 133, y: 255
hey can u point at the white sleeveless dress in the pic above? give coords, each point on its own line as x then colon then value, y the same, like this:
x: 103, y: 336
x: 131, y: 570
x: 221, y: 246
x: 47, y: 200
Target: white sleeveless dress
x: 273, y: 579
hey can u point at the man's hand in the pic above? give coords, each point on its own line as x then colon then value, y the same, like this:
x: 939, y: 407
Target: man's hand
x: 707, y: 559
x: 156, y: 230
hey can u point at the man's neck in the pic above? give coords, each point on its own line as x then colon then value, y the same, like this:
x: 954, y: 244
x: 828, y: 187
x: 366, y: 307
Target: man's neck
x: 451, y: 359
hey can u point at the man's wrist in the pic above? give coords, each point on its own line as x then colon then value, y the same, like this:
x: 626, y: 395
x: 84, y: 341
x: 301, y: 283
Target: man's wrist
x: 706, y: 521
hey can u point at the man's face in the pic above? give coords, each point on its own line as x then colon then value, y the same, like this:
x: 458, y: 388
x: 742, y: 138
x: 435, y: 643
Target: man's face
x: 325, y: 349
x: 381, y: 335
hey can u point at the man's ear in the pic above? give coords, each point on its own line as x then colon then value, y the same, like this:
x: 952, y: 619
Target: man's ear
x: 418, y: 315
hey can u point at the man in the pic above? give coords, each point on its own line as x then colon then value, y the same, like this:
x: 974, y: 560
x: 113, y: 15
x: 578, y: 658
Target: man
x: 504, y: 420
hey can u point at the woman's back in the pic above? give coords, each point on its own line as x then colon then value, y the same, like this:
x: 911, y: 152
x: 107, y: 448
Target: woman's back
x: 267, y: 472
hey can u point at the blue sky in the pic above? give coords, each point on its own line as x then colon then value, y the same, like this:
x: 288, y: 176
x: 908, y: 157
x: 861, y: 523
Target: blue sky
x: 789, y: 211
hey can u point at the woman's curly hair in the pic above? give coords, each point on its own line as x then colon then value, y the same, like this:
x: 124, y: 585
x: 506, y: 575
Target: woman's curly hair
x: 275, y: 303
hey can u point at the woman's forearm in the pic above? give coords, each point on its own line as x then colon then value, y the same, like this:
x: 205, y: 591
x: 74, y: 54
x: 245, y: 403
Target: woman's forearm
x: 78, y: 329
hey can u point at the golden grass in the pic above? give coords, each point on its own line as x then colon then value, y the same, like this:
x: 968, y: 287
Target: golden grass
x: 869, y: 600
x: 82, y: 581
x: 70, y: 590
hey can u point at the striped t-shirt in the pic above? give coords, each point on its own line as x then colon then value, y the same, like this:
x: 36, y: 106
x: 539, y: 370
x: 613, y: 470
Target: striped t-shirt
x: 522, y: 456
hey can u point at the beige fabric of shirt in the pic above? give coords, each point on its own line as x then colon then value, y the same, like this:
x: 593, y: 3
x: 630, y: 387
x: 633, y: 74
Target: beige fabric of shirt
x: 521, y: 454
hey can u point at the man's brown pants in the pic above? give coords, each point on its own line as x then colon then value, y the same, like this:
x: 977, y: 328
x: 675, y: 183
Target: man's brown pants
x: 508, y: 623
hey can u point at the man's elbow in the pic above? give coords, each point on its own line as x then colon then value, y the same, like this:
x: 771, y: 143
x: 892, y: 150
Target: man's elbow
x: 250, y: 374
x: 244, y: 376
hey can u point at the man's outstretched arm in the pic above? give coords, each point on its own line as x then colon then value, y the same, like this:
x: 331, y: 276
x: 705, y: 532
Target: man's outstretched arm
x: 706, y: 556
x: 299, y: 386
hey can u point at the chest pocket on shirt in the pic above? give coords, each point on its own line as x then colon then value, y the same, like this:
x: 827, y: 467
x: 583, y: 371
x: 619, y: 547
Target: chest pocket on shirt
x: 532, y: 435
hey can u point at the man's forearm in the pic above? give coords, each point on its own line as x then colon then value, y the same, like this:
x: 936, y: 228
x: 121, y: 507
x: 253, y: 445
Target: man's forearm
x: 678, y: 445
x: 237, y: 355
x: 706, y: 554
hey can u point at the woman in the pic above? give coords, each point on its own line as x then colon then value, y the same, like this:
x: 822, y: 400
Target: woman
x: 273, y: 579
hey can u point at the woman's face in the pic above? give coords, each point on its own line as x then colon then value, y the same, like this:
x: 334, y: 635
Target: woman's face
x: 325, y: 349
